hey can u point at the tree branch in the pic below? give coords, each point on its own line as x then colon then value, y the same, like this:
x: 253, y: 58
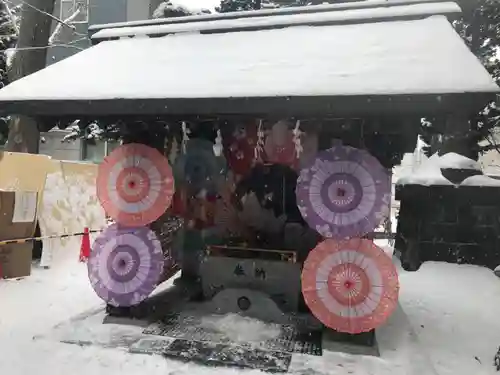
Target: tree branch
x: 11, y: 16
x: 492, y: 144
x: 67, y: 22
x: 58, y: 20
x: 46, y: 47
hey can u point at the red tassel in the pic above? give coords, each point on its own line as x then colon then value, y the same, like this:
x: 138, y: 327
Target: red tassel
x: 85, y: 247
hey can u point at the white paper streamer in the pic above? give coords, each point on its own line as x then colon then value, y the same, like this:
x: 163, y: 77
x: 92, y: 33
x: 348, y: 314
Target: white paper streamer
x: 218, y: 148
x: 259, y: 147
x: 185, y: 136
x: 297, y: 134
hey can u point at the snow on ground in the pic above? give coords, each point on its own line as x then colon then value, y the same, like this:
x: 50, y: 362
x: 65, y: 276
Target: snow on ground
x: 241, y: 329
x: 453, y: 309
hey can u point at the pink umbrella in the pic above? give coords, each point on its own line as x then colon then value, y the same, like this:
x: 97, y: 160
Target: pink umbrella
x: 350, y: 286
x: 135, y: 185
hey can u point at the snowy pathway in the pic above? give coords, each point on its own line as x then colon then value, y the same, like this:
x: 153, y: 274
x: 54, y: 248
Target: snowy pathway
x: 452, y: 309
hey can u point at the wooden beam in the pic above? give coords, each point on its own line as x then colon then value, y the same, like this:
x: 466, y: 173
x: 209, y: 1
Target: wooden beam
x: 285, y: 106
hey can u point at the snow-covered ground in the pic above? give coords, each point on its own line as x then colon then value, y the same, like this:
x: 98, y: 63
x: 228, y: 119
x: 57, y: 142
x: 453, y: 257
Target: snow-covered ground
x: 454, y: 311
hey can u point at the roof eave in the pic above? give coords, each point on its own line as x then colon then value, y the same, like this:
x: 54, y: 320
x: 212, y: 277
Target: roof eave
x: 361, y: 105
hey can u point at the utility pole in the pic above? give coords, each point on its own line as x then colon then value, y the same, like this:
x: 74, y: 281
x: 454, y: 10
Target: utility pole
x: 30, y: 57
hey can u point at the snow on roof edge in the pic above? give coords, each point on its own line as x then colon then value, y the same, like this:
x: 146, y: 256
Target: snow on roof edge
x: 453, y: 160
x: 264, y: 12
x: 423, y: 10
x: 481, y: 180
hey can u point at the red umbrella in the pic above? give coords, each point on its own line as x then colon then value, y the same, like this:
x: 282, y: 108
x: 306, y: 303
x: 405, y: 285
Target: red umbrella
x: 135, y: 185
x: 350, y: 286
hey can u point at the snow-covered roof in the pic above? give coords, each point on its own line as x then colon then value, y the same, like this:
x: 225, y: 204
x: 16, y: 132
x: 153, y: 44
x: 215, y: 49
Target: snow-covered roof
x: 346, y: 16
x: 327, y: 63
x: 270, y: 12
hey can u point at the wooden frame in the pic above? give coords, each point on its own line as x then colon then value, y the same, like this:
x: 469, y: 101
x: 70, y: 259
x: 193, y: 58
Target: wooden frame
x: 318, y: 106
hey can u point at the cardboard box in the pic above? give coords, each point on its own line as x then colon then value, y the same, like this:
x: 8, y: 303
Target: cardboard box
x: 17, y: 221
x: 15, y: 260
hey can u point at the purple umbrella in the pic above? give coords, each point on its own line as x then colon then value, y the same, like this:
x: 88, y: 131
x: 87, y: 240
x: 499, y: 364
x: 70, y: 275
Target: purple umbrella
x: 344, y: 193
x: 125, y: 265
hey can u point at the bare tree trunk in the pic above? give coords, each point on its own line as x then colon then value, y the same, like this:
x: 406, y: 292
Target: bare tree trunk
x: 30, y: 57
